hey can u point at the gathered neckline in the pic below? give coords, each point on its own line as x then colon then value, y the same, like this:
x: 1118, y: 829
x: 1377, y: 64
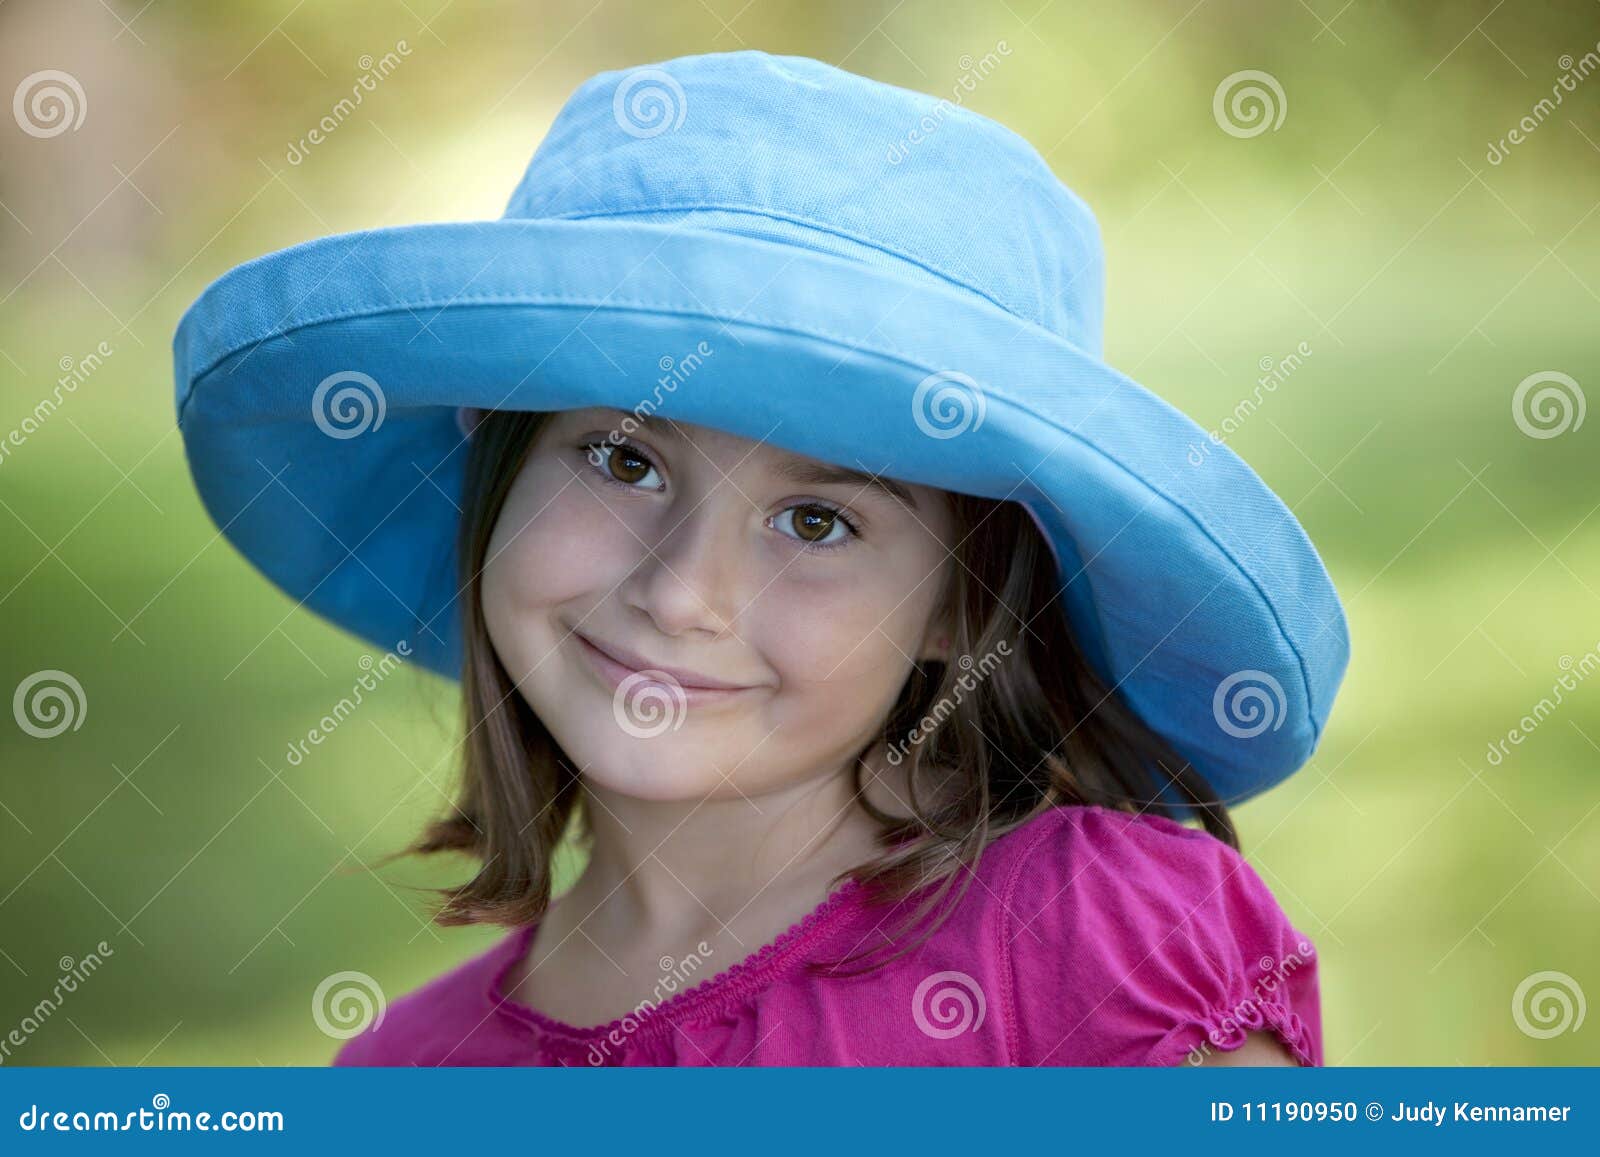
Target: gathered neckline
x: 732, y: 983
x: 715, y: 994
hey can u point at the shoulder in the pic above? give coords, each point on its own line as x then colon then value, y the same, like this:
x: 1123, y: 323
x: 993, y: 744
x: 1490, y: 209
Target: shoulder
x: 1084, y: 855
x: 1132, y: 939
x: 447, y: 1021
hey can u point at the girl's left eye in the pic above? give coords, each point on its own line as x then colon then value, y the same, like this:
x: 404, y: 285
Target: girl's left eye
x: 814, y: 525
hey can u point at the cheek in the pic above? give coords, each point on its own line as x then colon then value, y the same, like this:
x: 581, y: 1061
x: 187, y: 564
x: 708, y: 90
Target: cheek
x: 849, y: 633
x: 552, y: 543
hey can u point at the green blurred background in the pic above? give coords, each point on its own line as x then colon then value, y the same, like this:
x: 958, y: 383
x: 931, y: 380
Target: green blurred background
x: 1371, y: 225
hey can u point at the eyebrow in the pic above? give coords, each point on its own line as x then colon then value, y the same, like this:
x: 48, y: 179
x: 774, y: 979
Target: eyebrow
x: 822, y: 474
x: 802, y: 470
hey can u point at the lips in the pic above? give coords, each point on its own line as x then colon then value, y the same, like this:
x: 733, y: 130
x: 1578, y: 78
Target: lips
x: 635, y: 663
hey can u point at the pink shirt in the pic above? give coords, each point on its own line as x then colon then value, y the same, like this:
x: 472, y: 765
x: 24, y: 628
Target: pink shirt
x: 1089, y: 937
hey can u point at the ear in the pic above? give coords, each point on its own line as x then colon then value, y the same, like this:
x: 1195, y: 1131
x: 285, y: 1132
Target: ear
x: 937, y: 640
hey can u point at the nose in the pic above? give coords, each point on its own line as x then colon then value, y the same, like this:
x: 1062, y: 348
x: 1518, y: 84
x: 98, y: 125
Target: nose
x: 686, y: 578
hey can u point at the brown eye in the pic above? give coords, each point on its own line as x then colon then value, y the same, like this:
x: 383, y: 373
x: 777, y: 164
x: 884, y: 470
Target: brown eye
x: 815, y: 525
x: 627, y: 466
x: 620, y: 464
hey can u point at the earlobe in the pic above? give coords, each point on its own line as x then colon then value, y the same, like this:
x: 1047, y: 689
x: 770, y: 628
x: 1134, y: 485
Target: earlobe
x: 938, y: 650
x: 937, y: 636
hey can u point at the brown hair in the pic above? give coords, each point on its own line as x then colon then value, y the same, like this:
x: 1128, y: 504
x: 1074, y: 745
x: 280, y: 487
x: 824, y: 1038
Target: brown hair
x: 1041, y: 730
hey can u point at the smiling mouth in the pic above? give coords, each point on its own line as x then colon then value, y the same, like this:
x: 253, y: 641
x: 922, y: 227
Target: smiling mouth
x: 614, y: 672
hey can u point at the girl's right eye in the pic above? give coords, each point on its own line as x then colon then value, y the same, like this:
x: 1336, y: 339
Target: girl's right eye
x: 621, y: 465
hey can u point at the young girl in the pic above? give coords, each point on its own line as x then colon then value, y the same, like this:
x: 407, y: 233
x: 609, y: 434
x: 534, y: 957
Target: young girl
x: 803, y: 566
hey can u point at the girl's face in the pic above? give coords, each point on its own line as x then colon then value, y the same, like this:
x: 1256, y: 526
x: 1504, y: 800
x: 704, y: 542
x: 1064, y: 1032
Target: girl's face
x: 785, y: 599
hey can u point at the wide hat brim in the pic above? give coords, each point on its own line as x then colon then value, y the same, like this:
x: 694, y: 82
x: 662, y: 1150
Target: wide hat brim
x: 1191, y: 587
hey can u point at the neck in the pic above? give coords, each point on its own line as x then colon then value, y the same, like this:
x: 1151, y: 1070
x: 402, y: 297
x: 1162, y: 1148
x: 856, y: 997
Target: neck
x: 670, y: 866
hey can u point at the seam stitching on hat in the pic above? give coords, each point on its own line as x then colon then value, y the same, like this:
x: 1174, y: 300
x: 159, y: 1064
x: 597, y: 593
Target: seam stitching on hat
x: 809, y: 223
x: 886, y: 350
x: 610, y: 301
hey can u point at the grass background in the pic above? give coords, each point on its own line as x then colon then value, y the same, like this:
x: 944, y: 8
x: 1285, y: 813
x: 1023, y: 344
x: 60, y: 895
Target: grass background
x: 1426, y: 281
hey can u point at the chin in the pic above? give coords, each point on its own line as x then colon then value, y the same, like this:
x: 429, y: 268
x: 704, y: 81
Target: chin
x: 654, y: 772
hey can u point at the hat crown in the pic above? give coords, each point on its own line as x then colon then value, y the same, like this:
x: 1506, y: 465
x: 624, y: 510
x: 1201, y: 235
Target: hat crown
x: 791, y: 149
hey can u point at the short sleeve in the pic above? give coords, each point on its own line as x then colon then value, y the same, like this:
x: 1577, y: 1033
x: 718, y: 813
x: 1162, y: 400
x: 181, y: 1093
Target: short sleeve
x: 1133, y: 940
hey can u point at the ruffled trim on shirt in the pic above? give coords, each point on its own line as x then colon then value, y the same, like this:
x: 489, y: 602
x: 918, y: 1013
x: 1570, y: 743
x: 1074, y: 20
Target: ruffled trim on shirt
x: 1226, y: 1029
x: 715, y: 996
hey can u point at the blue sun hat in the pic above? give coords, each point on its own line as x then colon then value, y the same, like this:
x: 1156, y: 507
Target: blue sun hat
x: 773, y: 247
